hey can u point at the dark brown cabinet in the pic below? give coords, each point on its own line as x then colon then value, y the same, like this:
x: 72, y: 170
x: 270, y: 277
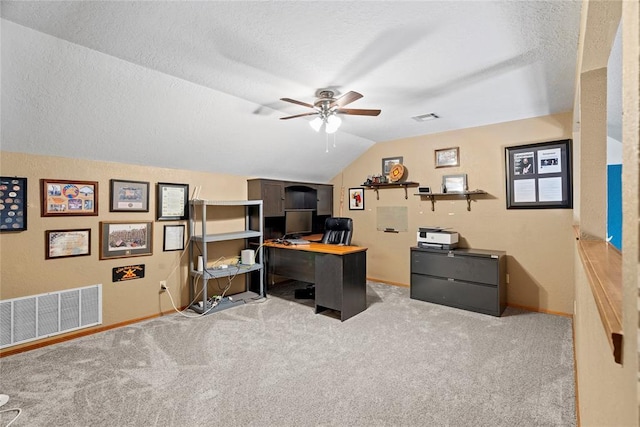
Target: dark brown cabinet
x: 270, y: 192
x: 281, y: 196
x: 470, y: 279
x: 325, y: 199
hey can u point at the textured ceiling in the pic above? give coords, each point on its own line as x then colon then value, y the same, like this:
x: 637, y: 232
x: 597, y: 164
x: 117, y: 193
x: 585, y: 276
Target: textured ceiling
x: 196, y: 85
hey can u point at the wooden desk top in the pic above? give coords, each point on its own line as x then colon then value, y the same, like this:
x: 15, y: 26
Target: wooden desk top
x: 318, y: 247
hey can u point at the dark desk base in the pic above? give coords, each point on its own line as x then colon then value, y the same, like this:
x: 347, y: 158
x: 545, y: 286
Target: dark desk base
x: 340, y: 280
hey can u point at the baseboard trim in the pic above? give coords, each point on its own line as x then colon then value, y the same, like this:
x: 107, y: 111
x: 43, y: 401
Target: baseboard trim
x: 540, y: 310
x: 47, y: 342
x: 387, y: 282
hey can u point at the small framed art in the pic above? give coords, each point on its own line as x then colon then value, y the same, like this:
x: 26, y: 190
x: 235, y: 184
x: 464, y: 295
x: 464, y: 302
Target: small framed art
x: 173, y: 238
x: 68, y: 198
x: 388, y: 163
x: 356, y: 199
x: 13, y: 203
x: 447, y: 157
x: 172, y: 201
x: 67, y: 243
x: 129, y: 196
x: 454, y: 183
x: 125, y: 239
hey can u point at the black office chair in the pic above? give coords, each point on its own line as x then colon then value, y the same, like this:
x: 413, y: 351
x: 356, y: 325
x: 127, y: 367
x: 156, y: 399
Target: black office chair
x: 337, y: 231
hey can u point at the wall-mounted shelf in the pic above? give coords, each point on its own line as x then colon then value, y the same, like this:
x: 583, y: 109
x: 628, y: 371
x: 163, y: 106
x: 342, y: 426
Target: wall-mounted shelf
x: 464, y: 195
x: 404, y: 185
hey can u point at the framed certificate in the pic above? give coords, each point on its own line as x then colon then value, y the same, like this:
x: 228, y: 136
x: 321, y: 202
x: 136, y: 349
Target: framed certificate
x: 67, y: 243
x: 173, y: 238
x: 172, y: 201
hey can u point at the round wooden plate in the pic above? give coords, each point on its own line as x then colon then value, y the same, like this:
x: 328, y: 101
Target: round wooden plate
x: 396, y: 172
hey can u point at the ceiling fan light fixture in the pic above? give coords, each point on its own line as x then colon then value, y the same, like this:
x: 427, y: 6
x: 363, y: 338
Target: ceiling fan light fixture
x: 333, y: 123
x: 316, y: 124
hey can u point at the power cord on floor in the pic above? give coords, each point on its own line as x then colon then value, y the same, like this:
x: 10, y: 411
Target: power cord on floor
x: 14, y: 418
x: 3, y: 401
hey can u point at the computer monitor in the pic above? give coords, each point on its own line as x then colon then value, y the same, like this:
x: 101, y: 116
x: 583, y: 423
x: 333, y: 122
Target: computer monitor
x: 298, y: 222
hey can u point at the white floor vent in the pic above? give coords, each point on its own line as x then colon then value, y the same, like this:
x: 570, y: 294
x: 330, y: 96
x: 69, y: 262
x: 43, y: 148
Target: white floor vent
x: 40, y: 316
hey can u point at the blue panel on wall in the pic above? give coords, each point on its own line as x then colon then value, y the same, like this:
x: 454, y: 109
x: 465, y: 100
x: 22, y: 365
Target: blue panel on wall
x: 614, y: 205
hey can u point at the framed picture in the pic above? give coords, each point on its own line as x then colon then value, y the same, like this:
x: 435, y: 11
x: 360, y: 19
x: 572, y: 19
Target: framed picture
x: 454, y: 183
x: 172, y: 201
x: 447, y: 157
x: 539, y: 175
x: 123, y: 239
x: 387, y: 164
x: 173, y: 238
x: 67, y: 243
x: 68, y: 198
x: 129, y: 196
x: 13, y: 203
x: 356, y: 199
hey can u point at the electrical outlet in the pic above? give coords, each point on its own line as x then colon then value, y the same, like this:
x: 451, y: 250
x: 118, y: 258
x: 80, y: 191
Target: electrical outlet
x: 163, y: 285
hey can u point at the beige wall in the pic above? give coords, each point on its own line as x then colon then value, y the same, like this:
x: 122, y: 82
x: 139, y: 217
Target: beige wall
x: 22, y: 258
x: 539, y: 243
x: 608, y: 392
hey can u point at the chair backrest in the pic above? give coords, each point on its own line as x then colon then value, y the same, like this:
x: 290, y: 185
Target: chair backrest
x: 338, y: 231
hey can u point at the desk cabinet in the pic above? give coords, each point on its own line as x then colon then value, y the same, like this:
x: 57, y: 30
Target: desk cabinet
x: 341, y: 283
x: 470, y: 279
x: 338, y: 272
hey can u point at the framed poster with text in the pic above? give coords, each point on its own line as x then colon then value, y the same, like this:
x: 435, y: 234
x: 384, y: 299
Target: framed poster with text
x: 539, y: 176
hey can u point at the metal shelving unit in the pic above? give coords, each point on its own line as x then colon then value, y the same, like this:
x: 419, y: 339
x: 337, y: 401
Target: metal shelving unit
x: 198, y: 242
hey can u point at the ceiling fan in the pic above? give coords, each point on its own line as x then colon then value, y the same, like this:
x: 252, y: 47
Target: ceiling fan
x: 327, y: 107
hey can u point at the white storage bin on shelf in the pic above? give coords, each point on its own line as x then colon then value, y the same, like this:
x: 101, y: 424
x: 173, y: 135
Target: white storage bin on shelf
x: 198, y: 246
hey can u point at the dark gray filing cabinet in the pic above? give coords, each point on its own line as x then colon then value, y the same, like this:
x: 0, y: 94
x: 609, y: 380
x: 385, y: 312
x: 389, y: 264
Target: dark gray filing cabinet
x: 470, y: 279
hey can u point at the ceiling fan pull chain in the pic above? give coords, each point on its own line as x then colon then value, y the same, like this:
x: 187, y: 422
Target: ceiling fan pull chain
x: 327, y: 144
x: 334, y: 140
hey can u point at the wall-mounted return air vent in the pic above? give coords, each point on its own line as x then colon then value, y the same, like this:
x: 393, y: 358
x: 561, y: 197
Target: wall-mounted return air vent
x: 44, y: 315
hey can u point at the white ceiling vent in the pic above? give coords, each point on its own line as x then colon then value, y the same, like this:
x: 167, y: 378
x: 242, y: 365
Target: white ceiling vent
x: 425, y: 117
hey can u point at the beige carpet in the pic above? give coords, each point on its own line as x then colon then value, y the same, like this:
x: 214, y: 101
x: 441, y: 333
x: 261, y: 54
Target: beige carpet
x: 399, y: 363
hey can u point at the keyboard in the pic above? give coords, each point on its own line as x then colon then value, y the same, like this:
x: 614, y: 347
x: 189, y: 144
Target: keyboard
x: 297, y: 241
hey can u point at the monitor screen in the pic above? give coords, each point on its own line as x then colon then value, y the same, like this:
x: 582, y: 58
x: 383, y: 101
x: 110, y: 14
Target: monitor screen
x: 298, y: 222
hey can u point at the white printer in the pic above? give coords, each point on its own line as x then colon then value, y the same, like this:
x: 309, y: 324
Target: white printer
x: 436, y: 237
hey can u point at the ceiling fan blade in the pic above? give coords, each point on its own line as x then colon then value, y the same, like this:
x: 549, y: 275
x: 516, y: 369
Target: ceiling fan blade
x: 359, y: 112
x: 293, y: 101
x: 299, y: 115
x: 345, y: 99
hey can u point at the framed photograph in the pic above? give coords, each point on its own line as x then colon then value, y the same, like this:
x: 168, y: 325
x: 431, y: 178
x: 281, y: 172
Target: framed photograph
x: 67, y: 243
x: 388, y: 163
x: 124, y: 239
x: 454, y: 183
x: 13, y: 203
x: 172, y: 201
x: 173, y: 238
x: 447, y: 157
x: 356, y: 199
x: 68, y: 198
x: 539, y: 175
x: 129, y: 196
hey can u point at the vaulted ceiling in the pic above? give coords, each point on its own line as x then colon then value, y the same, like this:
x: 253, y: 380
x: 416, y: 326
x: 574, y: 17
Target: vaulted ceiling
x: 197, y: 85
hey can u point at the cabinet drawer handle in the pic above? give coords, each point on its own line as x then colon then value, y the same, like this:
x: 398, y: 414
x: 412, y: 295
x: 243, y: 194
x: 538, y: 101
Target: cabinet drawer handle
x: 451, y: 280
